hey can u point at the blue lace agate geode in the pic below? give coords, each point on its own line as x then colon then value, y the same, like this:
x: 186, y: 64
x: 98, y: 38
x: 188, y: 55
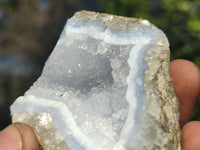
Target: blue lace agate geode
x: 106, y: 86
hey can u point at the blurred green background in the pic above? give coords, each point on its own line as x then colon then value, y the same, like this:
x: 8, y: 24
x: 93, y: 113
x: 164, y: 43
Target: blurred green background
x: 29, y: 30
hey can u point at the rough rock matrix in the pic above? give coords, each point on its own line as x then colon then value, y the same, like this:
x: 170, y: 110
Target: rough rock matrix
x: 106, y: 86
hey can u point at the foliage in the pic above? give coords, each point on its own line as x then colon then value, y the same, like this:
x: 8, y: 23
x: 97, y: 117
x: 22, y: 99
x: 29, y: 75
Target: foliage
x: 28, y: 31
x: 196, y: 113
x: 180, y: 20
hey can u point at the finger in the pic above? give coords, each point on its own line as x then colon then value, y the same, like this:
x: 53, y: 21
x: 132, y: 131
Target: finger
x: 190, y: 138
x: 186, y: 79
x: 10, y: 139
x: 18, y: 136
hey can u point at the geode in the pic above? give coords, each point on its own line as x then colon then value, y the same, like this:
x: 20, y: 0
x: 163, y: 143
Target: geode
x: 106, y: 86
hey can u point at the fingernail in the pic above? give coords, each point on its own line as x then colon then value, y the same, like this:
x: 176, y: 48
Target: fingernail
x: 10, y: 139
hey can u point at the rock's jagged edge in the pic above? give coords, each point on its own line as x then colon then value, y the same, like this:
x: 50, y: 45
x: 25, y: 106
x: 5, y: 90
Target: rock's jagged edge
x: 161, y: 85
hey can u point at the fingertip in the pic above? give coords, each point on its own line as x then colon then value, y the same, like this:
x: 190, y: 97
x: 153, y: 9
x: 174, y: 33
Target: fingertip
x: 190, y: 138
x: 18, y: 136
x: 10, y: 139
x: 186, y: 80
x: 186, y: 77
x: 28, y: 137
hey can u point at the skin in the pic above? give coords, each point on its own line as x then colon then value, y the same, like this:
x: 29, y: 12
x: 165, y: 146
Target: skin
x: 186, y: 79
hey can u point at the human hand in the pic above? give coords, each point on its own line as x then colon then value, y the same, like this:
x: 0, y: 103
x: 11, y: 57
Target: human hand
x: 186, y: 79
x: 18, y: 136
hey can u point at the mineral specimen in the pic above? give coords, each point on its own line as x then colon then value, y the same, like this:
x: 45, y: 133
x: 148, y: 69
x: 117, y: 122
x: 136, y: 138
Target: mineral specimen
x: 106, y: 86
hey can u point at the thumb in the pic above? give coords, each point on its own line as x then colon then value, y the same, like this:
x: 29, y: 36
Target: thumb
x: 18, y: 136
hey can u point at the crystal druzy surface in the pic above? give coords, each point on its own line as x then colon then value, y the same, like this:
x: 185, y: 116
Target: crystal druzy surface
x: 106, y: 86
